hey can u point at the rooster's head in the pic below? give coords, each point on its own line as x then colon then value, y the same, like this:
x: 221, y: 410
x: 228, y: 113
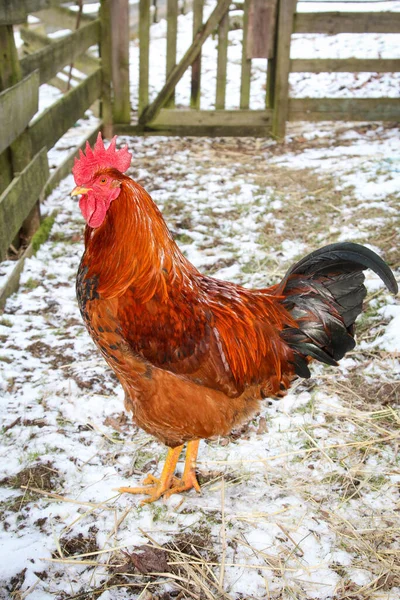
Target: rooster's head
x: 96, y: 177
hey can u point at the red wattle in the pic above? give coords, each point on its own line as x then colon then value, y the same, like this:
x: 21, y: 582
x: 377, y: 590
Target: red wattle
x: 93, y: 210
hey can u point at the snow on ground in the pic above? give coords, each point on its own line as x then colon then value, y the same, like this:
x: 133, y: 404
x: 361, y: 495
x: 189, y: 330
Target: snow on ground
x: 304, y: 502
x: 301, y: 502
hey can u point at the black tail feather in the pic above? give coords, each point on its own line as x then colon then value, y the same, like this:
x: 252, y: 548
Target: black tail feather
x: 347, y: 257
x: 301, y: 367
x: 324, y: 293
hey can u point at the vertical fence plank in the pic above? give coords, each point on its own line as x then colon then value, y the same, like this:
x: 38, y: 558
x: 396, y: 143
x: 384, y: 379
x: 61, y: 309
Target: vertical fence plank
x: 286, y: 12
x: 246, y: 62
x: 6, y: 173
x: 106, y: 65
x: 196, y: 65
x: 172, y: 36
x: 21, y: 152
x: 10, y: 71
x: 270, y: 83
x: 144, y: 53
x: 120, y: 61
x: 222, y: 60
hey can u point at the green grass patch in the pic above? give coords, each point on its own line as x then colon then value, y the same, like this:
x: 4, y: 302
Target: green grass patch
x: 31, y: 284
x: 43, y: 232
x: 5, y: 322
x: 183, y: 238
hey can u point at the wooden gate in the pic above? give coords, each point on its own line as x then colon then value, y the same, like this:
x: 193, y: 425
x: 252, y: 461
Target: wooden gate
x: 267, y: 29
x: 259, y: 25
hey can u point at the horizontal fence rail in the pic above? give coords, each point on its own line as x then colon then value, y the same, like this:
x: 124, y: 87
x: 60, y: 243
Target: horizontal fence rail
x: 60, y: 53
x: 333, y: 23
x: 49, y: 126
x: 201, y: 122
x: 344, y: 109
x: 16, y: 11
x: 35, y: 42
x: 20, y: 196
x: 61, y: 14
x: 18, y: 104
x: 344, y: 65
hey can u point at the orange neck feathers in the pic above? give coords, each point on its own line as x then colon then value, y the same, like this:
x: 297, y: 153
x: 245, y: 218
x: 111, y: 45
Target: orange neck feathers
x: 134, y: 248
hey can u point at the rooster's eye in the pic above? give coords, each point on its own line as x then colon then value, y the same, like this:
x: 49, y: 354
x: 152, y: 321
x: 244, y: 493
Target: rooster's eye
x: 103, y: 180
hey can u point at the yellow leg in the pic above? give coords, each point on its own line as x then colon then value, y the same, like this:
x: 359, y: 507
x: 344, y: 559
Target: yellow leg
x: 167, y: 484
x: 189, y: 479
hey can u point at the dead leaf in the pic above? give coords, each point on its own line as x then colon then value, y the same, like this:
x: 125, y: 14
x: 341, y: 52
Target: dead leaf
x: 116, y: 423
x: 150, y: 560
x: 262, y: 426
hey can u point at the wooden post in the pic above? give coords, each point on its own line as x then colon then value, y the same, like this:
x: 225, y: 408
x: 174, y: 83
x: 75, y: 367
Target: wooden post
x: 261, y: 28
x: 120, y: 61
x: 196, y: 65
x: 222, y: 60
x: 172, y: 36
x: 144, y: 53
x: 286, y: 11
x: 246, y: 62
x: 271, y: 68
x: 106, y: 64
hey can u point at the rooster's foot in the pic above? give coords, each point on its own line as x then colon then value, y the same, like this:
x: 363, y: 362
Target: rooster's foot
x: 167, y: 484
x: 155, y: 487
x: 154, y: 492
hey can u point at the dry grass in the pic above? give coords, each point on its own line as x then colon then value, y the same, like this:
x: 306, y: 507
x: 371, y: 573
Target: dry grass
x: 194, y: 563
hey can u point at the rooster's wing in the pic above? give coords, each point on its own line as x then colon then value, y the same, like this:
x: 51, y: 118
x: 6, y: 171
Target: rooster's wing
x: 218, y: 335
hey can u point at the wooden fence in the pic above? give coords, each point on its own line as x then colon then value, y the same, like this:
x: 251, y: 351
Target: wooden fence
x: 25, y: 139
x: 345, y: 109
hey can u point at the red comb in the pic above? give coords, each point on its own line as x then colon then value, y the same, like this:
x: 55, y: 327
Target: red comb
x: 86, y: 165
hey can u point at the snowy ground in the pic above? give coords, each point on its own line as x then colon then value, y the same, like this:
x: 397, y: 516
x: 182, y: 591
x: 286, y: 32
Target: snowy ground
x: 304, y: 502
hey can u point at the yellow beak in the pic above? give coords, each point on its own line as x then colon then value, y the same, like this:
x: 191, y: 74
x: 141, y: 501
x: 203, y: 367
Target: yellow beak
x: 80, y: 190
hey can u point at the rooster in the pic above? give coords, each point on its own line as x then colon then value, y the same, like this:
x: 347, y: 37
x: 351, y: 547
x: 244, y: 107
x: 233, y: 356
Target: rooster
x: 195, y: 355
